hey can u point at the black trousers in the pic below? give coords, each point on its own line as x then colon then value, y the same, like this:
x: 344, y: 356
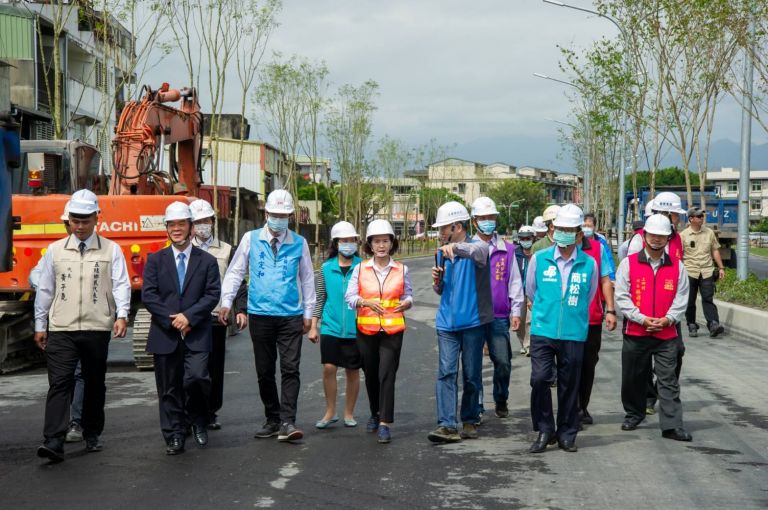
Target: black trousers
x: 64, y: 350
x: 705, y: 286
x: 570, y: 357
x: 591, y: 357
x: 381, y: 359
x: 652, y: 392
x: 216, y: 368
x: 183, y: 389
x: 272, y: 336
x: 636, y: 355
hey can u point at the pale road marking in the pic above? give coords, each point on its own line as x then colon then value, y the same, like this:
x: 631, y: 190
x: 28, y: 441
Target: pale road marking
x: 264, y: 502
x: 286, y: 473
x: 123, y: 389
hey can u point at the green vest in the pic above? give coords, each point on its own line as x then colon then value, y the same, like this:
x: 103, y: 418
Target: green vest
x: 338, y: 318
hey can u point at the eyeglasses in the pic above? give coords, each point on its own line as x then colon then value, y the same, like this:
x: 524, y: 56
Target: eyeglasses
x: 697, y: 216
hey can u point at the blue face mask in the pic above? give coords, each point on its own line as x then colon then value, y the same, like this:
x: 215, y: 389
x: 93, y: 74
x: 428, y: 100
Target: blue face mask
x: 486, y: 226
x: 277, y: 224
x: 526, y: 244
x: 347, y: 249
x: 588, y: 232
x: 564, y: 239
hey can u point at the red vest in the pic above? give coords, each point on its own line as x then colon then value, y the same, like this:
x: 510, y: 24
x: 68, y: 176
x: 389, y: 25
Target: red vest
x: 675, y: 245
x: 388, y: 295
x: 651, y: 293
x: 596, y: 306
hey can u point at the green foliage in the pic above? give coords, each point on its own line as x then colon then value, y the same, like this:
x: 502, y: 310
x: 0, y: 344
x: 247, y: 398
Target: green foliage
x: 752, y: 292
x: 330, y: 213
x: 671, y: 176
x: 522, y: 195
x: 760, y: 227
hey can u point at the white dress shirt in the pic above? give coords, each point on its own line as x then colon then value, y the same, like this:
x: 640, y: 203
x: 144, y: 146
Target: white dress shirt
x: 121, y: 286
x: 238, y: 267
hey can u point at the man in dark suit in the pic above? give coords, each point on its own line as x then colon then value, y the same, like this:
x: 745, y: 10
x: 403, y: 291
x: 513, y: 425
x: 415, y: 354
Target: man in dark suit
x: 181, y: 289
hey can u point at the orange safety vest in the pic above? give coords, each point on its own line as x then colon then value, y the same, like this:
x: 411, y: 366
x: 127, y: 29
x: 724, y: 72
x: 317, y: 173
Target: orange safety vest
x: 387, y: 294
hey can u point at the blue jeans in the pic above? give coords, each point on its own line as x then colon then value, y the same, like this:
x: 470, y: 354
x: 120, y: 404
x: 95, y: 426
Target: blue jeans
x: 501, y: 356
x: 467, y: 344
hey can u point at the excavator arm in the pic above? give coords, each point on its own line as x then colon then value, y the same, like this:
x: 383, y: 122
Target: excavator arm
x: 144, y: 129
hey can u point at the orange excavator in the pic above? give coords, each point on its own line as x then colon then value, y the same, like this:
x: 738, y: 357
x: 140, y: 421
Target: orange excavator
x: 156, y: 160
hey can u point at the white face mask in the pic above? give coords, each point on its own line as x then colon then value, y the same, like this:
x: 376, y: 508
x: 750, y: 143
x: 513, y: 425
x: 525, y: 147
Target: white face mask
x: 204, y: 231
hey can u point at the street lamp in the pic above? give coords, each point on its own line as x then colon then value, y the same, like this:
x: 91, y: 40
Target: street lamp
x: 620, y: 220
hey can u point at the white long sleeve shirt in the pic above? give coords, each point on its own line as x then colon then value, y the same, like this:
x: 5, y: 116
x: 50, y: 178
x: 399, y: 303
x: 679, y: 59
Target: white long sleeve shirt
x: 239, y: 267
x: 46, y: 285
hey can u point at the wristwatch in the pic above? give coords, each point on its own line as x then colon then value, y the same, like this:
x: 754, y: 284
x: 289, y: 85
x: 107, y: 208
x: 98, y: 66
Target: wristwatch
x: 612, y: 312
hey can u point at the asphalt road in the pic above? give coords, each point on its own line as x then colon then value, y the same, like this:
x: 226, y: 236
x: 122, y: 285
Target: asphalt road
x: 726, y: 465
x: 758, y: 265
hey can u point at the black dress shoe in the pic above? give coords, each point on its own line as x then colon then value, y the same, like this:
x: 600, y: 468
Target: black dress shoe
x: 51, y: 452
x: 586, y: 418
x: 629, y: 424
x: 175, y: 446
x: 542, y: 440
x: 200, y: 433
x: 214, y: 425
x: 568, y: 446
x: 676, y: 434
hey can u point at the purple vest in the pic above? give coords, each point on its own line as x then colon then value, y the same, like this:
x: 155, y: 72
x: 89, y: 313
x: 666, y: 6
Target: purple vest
x: 501, y: 268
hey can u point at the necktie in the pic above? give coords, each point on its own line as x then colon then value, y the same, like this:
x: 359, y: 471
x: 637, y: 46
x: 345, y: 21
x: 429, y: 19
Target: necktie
x: 181, y: 270
x: 274, y: 246
x: 82, y: 248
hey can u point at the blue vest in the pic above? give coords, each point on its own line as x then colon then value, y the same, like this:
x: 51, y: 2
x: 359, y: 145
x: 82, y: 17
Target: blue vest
x: 273, y: 288
x: 466, y: 298
x: 558, y: 316
x: 338, y: 318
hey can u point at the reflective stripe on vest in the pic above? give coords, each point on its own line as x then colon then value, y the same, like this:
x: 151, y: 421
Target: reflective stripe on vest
x: 651, y: 293
x: 386, y: 294
x: 596, y: 306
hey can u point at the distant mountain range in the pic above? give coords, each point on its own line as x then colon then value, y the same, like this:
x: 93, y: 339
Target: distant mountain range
x: 542, y: 151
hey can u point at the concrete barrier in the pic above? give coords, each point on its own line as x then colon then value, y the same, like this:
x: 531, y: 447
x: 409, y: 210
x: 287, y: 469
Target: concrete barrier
x: 741, y: 322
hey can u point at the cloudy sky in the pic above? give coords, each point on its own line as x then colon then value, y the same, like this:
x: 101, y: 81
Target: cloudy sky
x: 459, y: 71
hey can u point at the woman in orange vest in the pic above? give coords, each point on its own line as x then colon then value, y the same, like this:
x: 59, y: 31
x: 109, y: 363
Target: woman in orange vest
x: 380, y: 289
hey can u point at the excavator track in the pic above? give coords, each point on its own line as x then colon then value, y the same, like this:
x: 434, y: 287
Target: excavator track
x: 142, y: 359
x: 17, y: 331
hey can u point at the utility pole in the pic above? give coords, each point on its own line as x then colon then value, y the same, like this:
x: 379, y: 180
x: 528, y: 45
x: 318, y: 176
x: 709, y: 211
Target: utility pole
x: 742, y: 246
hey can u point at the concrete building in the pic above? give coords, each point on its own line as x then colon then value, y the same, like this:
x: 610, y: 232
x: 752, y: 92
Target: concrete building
x: 726, y: 182
x: 470, y: 179
x: 320, y: 174
x: 404, y: 213
x: 93, y: 69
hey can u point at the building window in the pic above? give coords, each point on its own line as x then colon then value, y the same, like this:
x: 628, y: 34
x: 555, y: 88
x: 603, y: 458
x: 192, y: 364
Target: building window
x: 733, y: 187
x: 755, y: 205
x: 757, y: 186
x: 462, y: 188
x: 483, y: 187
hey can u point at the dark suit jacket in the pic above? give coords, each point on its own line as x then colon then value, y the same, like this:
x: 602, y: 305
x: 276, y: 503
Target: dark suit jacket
x: 161, y: 296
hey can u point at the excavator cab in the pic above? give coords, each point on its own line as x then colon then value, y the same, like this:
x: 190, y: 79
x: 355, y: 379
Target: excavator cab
x: 58, y: 167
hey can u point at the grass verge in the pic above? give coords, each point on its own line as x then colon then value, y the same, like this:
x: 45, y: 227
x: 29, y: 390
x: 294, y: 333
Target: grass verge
x: 752, y: 292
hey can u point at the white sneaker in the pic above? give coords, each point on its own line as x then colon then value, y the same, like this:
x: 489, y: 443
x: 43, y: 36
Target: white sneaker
x: 75, y: 433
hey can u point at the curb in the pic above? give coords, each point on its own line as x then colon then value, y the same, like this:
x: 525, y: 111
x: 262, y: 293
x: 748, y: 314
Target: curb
x: 742, y: 324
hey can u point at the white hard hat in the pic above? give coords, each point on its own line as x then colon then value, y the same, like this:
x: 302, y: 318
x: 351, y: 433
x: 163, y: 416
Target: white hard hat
x: 658, y: 224
x: 570, y: 215
x: 526, y: 230
x: 83, y: 202
x: 550, y: 213
x: 450, y: 212
x: 649, y: 208
x: 483, y: 206
x: 379, y: 227
x: 667, y: 201
x: 279, y: 202
x: 344, y: 229
x: 177, y: 211
x: 201, y: 209
x: 65, y: 214
x: 539, y: 225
